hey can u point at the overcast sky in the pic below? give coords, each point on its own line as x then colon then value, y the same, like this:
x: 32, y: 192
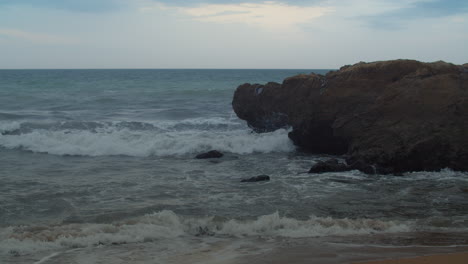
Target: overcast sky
x: 229, y: 34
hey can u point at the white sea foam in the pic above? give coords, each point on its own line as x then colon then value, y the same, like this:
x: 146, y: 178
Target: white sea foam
x: 276, y: 225
x: 168, y: 225
x: 113, y: 140
x: 9, y: 126
x: 443, y: 175
x: 194, y: 121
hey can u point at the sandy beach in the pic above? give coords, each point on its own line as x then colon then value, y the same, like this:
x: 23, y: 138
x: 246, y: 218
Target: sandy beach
x: 362, y: 256
x: 355, y: 250
x: 455, y: 258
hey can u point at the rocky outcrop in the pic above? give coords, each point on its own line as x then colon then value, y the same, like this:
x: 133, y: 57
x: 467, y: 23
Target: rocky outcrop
x: 331, y: 165
x: 400, y: 115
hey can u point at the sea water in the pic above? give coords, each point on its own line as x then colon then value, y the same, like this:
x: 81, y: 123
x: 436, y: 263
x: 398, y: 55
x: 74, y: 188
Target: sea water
x: 97, y: 166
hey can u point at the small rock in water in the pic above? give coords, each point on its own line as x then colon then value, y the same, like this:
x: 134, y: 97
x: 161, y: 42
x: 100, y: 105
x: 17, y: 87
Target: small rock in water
x: 331, y: 165
x: 257, y: 178
x: 204, y: 231
x: 210, y: 155
x: 363, y: 167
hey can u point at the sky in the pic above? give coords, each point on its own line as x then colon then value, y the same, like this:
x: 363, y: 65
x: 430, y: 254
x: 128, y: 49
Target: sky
x: 301, y: 34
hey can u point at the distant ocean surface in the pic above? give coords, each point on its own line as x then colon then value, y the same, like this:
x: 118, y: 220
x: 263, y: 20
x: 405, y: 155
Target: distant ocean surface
x: 97, y: 166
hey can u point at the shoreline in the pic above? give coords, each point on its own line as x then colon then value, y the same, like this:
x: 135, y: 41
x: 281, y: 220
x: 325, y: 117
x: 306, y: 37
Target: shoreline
x: 363, y: 255
x: 361, y: 251
x: 452, y: 258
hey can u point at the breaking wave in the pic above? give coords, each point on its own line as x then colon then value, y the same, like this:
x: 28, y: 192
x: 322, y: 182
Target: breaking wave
x: 165, y: 138
x: 9, y: 126
x: 168, y: 225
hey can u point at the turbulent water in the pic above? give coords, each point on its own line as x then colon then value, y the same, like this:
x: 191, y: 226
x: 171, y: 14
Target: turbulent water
x: 96, y: 166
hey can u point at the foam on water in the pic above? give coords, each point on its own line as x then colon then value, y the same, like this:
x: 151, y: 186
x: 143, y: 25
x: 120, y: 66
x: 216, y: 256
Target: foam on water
x: 167, y: 124
x: 144, y: 139
x: 9, y: 126
x: 443, y: 175
x: 275, y: 225
x: 167, y: 225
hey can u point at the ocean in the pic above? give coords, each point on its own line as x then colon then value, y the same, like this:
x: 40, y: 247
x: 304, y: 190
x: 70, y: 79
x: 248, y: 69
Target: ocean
x: 97, y: 166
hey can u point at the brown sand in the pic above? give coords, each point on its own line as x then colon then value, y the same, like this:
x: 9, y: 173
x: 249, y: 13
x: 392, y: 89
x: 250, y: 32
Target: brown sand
x: 456, y: 258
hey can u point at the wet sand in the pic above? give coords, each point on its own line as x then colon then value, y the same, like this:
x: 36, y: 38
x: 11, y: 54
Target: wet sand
x: 363, y: 255
x: 455, y: 258
x: 410, y: 249
x: 364, y: 250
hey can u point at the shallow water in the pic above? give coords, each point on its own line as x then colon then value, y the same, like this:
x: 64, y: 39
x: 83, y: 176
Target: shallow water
x: 98, y: 167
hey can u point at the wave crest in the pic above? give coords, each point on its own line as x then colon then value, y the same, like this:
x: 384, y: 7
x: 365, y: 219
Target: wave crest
x: 168, y: 225
x: 9, y: 126
x: 185, y: 137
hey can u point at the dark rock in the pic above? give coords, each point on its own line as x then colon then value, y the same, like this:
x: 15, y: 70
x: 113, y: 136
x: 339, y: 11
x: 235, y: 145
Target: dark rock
x: 386, y: 171
x: 204, y: 231
x: 398, y: 116
x: 363, y: 167
x: 209, y: 155
x: 331, y: 165
x: 261, y: 120
x: 257, y: 178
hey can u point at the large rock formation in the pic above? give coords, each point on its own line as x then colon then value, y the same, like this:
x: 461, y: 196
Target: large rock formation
x: 400, y: 115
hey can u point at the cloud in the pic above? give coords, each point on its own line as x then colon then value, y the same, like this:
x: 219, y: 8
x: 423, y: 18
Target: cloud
x: 436, y: 8
x: 268, y: 14
x: 416, y: 10
x: 37, y: 38
x: 223, y: 2
x: 69, y: 5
